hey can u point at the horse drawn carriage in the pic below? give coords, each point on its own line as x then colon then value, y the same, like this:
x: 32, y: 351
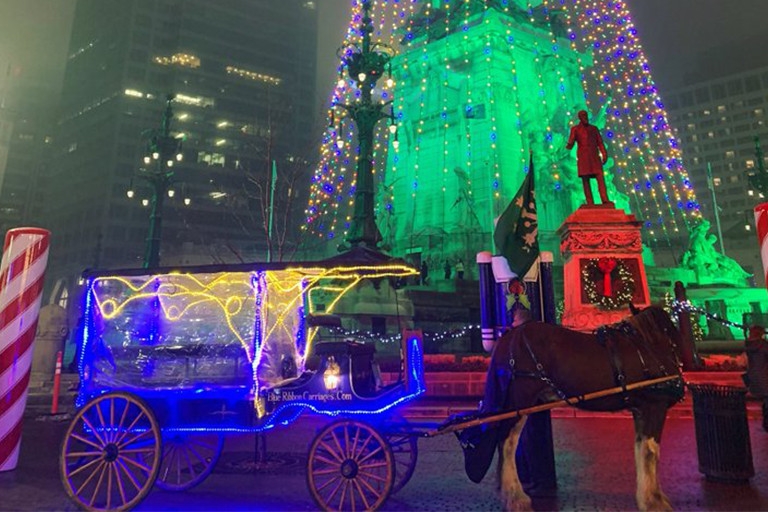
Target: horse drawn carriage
x: 172, y: 360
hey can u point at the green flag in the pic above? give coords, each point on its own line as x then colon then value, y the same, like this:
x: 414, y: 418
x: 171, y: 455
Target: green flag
x: 516, y: 234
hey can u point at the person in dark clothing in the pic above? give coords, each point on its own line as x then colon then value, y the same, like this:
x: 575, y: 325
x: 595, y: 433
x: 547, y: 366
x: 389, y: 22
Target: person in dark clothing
x: 447, y: 269
x: 424, y: 272
x: 756, y: 377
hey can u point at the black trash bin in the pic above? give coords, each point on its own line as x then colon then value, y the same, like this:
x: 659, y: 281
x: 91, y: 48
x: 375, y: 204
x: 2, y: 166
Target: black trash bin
x: 722, y: 432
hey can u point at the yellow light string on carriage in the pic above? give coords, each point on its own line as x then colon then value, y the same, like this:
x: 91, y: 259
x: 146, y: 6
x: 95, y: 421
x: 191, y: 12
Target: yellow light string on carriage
x: 184, y: 286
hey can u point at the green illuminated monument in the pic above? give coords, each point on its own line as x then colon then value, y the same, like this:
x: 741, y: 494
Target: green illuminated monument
x: 477, y: 89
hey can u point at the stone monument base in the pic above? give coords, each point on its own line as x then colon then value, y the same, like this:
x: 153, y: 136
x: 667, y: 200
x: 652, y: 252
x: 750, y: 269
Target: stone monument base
x: 603, y: 267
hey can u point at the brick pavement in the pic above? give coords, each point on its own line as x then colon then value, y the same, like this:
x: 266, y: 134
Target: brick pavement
x: 594, y: 462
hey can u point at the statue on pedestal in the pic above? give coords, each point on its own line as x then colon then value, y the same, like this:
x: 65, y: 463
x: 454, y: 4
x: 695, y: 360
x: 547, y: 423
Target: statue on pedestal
x: 591, y: 156
x: 703, y: 258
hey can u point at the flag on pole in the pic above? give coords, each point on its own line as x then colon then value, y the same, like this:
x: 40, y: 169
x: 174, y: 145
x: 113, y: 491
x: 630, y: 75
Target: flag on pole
x: 516, y: 233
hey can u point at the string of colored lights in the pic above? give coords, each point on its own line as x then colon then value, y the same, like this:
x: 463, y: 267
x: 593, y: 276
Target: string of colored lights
x: 331, y: 198
x: 647, y: 159
x: 680, y: 306
x: 448, y: 335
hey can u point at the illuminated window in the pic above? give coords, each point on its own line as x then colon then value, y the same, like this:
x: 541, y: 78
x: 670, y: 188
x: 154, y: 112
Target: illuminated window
x: 197, y: 101
x: 134, y: 93
x: 706, y: 112
x: 204, y: 157
x: 721, y: 108
x: 717, y: 181
x: 179, y: 59
x: 252, y: 75
x: 691, y: 126
x: 758, y: 111
x: 750, y: 164
x: 730, y: 154
x: 309, y: 5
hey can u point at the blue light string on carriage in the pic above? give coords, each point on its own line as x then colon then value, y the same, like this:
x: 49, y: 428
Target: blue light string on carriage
x: 86, y: 339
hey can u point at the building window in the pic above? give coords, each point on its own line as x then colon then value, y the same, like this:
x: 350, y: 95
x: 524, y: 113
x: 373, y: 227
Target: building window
x: 721, y: 108
x: 204, y: 157
x: 750, y: 164
x: 717, y: 181
x: 730, y: 154
x: 758, y: 111
x: 179, y: 59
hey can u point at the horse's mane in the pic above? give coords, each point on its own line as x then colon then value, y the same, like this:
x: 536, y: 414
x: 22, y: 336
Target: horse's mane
x: 653, y: 325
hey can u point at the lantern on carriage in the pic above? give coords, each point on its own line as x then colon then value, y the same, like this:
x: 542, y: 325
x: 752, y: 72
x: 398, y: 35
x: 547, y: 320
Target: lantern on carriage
x: 332, y: 374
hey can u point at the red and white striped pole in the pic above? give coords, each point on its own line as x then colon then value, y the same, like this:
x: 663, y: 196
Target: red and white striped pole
x: 22, y: 269
x: 761, y: 225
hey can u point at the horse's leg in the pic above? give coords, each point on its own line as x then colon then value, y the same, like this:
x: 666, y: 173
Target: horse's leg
x: 649, y: 422
x: 512, y: 492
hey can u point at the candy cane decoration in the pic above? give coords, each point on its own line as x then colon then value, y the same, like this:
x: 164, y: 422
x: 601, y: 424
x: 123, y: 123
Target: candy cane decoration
x: 761, y: 222
x: 22, y: 268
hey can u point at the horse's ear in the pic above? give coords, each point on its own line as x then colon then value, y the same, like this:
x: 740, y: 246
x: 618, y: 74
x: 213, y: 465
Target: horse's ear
x: 633, y: 309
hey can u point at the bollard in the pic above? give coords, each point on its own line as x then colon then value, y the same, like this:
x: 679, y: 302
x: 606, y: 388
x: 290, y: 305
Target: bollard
x: 487, y: 300
x: 548, y: 288
x: 56, y: 384
x: 502, y: 274
x: 22, y: 268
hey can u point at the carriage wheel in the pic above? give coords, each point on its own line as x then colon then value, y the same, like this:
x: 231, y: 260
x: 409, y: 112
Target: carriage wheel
x: 405, y: 449
x: 111, y: 453
x: 188, y: 459
x: 350, y: 467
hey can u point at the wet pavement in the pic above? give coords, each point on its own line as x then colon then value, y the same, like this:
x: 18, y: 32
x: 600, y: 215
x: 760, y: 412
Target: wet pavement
x: 594, y: 457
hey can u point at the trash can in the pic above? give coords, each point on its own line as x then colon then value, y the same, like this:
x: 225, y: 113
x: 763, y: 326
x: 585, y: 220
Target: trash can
x: 722, y: 432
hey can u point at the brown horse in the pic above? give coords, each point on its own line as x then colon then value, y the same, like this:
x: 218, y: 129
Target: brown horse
x: 537, y: 363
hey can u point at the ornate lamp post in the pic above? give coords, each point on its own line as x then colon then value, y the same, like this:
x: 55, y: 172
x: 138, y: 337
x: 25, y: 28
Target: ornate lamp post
x: 366, y: 63
x: 162, y: 151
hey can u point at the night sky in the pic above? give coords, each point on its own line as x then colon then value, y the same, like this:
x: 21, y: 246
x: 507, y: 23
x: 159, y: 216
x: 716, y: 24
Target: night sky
x: 676, y: 33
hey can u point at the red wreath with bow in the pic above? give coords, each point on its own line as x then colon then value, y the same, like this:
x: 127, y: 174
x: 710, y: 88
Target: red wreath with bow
x: 606, y: 266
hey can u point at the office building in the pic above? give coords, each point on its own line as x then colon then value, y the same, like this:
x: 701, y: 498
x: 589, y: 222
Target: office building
x: 242, y: 73
x: 718, y: 121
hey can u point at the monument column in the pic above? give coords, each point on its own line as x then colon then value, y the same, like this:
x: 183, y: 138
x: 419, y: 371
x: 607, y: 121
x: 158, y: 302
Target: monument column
x: 603, y: 266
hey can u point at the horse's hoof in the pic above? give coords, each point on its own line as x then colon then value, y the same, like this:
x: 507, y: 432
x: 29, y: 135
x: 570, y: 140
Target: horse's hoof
x: 658, y: 503
x: 522, y: 504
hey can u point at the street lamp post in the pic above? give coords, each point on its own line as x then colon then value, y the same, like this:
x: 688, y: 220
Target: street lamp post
x: 366, y: 63
x: 162, y: 151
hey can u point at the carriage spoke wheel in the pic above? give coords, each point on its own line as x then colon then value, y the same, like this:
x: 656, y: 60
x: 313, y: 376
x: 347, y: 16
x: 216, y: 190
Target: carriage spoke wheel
x: 405, y: 449
x: 188, y: 459
x: 111, y: 453
x: 350, y: 467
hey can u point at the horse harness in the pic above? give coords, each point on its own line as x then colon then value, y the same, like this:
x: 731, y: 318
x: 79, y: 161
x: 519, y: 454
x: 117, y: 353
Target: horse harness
x: 606, y: 336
